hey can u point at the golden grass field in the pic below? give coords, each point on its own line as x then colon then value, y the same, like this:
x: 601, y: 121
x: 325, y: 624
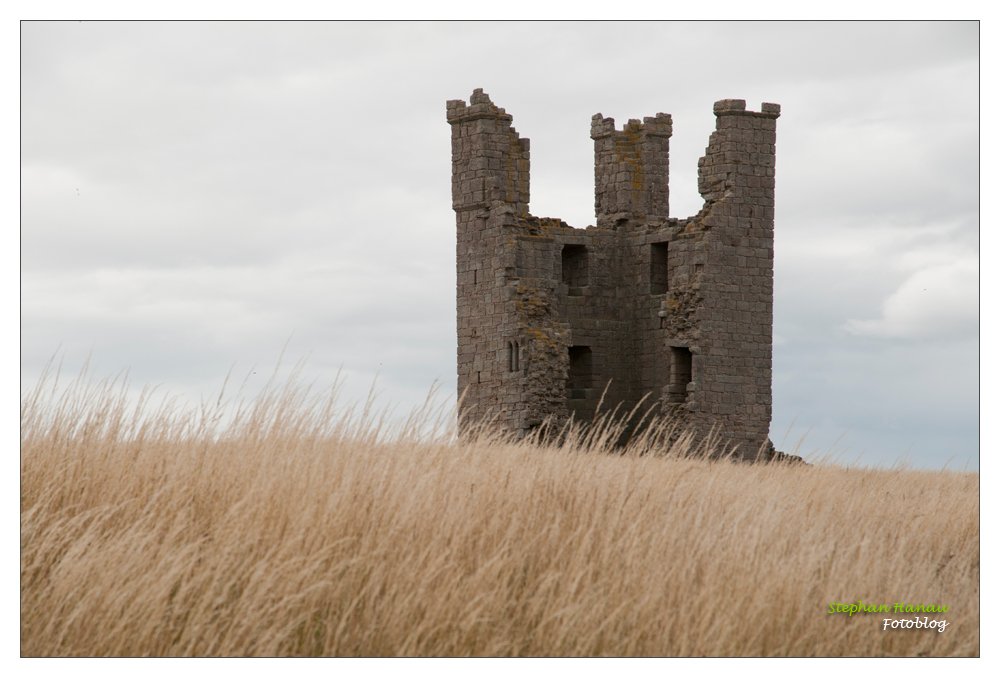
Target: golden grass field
x: 286, y: 526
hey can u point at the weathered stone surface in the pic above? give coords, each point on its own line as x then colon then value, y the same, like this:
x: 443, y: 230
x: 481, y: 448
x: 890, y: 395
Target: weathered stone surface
x: 551, y: 318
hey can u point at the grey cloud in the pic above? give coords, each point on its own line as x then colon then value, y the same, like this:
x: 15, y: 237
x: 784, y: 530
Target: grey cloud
x: 243, y: 183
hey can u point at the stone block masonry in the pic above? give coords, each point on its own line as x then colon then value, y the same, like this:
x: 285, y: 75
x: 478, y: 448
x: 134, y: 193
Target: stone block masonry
x: 642, y: 304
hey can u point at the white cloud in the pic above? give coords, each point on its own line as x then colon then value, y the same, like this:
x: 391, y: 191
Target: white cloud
x: 939, y: 301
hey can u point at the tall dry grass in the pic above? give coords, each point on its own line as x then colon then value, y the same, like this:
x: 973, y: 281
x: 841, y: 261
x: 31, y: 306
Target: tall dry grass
x: 291, y: 527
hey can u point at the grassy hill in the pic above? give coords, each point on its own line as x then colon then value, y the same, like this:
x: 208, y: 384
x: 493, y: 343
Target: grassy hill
x: 287, y: 526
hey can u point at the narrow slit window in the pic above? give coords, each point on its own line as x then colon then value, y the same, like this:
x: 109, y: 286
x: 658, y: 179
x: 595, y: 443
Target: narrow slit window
x: 517, y: 357
x: 680, y: 374
x: 575, y: 267
x: 658, y: 272
x: 510, y: 356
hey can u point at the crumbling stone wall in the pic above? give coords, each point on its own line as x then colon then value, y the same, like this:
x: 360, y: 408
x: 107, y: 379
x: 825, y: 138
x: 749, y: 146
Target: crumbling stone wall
x: 679, y: 311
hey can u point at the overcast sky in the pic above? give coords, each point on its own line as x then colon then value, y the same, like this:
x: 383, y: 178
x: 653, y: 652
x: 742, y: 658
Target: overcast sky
x: 195, y: 194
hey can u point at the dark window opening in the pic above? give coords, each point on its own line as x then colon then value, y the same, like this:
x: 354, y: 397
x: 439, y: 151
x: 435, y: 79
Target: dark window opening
x: 658, y: 273
x: 475, y: 277
x: 574, y: 267
x: 581, y: 371
x: 513, y: 359
x: 680, y: 374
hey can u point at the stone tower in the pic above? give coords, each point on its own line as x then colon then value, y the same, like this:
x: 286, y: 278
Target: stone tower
x: 679, y: 310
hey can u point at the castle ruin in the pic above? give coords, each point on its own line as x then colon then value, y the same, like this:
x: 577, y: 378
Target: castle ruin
x: 679, y: 310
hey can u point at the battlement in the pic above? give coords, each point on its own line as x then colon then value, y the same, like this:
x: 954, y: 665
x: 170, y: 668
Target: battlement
x: 554, y: 320
x: 661, y: 126
x: 738, y: 107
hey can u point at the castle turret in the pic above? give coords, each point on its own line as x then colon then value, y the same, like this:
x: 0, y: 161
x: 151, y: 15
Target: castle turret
x: 631, y: 169
x: 736, y: 179
x: 489, y: 159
